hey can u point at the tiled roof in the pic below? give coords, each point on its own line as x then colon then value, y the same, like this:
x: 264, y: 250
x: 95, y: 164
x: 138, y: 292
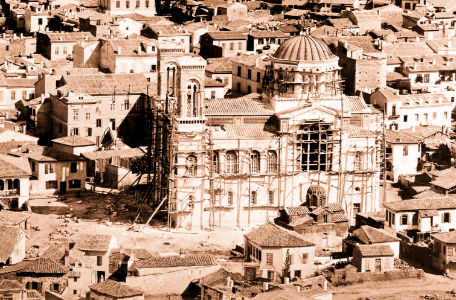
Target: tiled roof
x: 417, y: 204
x: 33, y: 294
x: 351, y: 104
x: 340, y: 218
x: 70, y: 36
x: 391, y: 76
x: 446, y: 237
x: 218, y: 276
x: 55, y: 252
x: 320, y: 210
x: 427, y: 194
x: 219, y: 65
x: 44, y: 266
x: 92, y: 242
x: 18, y: 82
x: 105, y: 83
x: 116, y: 289
x: 271, y: 235
x: 269, y: 34
x: 378, y: 235
x: 9, y: 237
x: 366, y: 15
x: 446, y: 180
x: 168, y: 30
x: 334, y: 207
x: 138, y: 253
x: 408, y: 49
x: 233, y: 131
x: 124, y: 153
x: 375, y: 250
x: 297, y: 210
x: 131, y: 46
x: 449, y: 5
x: 359, y: 132
x: 237, y: 106
x: 297, y: 12
x: 427, y: 213
x: 14, y: 217
x: 13, y: 166
x: 424, y: 131
x: 227, y: 35
x: 288, y: 28
x: 74, y: 141
x: 176, y: 261
x: 44, y: 153
x: 9, y: 285
x: 304, y: 220
x: 401, y: 137
x: 209, y: 82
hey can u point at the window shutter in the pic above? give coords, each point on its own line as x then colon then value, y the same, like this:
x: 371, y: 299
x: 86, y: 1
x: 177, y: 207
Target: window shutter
x: 443, y: 218
x: 449, y: 217
x: 408, y: 220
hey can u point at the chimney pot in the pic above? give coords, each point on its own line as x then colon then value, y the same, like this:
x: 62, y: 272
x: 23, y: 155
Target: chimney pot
x: 139, y: 49
x: 119, y: 50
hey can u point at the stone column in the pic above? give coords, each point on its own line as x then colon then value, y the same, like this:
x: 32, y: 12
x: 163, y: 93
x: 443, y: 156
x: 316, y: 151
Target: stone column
x: 183, y: 105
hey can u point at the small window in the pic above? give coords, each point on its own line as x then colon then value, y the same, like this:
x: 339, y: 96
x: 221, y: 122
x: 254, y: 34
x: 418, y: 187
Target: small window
x: 229, y: 198
x: 258, y: 76
x: 434, y: 115
x: 87, y: 116
x: 75, y: 279
x: 446, y: 218
x: 417, y: 117
x: 297, y: 273
x: 249, y: 89
x: 13, y: 95
x: 117, y: 4
x: 48, y: 168
x: 74, y: 167
x: 253, y: 198
x: 249, y: 74
x: 325, y: 218
x: 452, y: 99
x: 55, y: 286
x: 139, y: 104
x: 305, y: 258
x: 405, y: 118
x: 33, y: 166
x: 445, y: 115
x: 51, y: 184
x: 75, y: 291
x: 98, y: 122
x: 75, y: 184
x: 75, y: 114
x: 404, y: 219
x: 239, y: 71
x: 112, y: 105
x: 231, y: 46
x: 89, y: 131
x: 75, y: 131
x: 127, y: 4
x: 405, y: 150
x: 40, y: 21
x: 270, y: 198
x: 99, y: 260
x: 269, y: 258
x: 138, y: 4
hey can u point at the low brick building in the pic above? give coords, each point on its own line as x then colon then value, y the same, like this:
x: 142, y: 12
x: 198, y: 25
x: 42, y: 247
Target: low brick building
x: 113, y: 290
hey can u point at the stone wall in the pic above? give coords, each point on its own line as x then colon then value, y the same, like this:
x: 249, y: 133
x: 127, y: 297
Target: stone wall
x: 345, y: 277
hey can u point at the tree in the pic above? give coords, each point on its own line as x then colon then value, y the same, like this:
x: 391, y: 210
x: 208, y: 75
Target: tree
x: 286, y: 267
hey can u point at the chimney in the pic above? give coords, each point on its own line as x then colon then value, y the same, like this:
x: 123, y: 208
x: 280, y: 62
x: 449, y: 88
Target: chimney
x: 325, y: 285
x: 298, y: 287
x: 119, y: 50
x: 433, y: 61
x: 139, y: 49
x: 22, y: 35
x: 397, y: 92
x: 14, y: 36
x: 4, y: 35
x: 265, y: 286
x: 286, y: 280
x: 42, y: 98
x: 24, y: 128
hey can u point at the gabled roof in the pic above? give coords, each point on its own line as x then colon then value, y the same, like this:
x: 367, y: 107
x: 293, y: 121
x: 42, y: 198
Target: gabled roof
x: 209, y: 82
x: 375, y: 250
x: 70, y: 36
x: 318, y: 211
x: 131, y: 46
x: 74, y: 141
x: 33, y: 294
x: 219, y: 65
x: 249, y: 131
x: 14, y: 217
x: 44, y: 265
x: 401, y: 137
x: 9, y: 237
x: 417, y: 204
x: 359, y: 132
x: 375, y: 235
x: 13, y: 166
x: 297, y: 210
x: 304, y: 220
x: 226, y: 35
x: 237, y: 106
x: 7, y: 285
x: 219, y: 276
x: 338, y: 218
x: 44, y: 154
x: 446, y: 180
x: 446, y: 237
x: 92, y: 242
x: 176, y: 261
x: 116, y: 289
x: 271, y: 235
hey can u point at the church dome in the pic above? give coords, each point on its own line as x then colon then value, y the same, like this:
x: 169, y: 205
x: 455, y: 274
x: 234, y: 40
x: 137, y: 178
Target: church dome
x: 304, y: 48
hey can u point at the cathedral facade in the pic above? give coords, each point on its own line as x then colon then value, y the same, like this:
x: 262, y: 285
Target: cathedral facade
x: 238, y: 161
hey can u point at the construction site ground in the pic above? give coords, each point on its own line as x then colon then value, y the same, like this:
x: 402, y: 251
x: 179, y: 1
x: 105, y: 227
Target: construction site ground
x: 53, y: 228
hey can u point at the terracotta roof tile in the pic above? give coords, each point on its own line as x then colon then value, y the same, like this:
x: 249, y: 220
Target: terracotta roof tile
x: 378, y: 235
x: 227, y: 35
x: 33, y: 294
x: 219, y: 65
x: 116, y: 289
x: 209, y: 82
x: 271, y: 235
x: 9, y: 237
x: 340, y: 218
x: 44, y: 153
x: 401, y: 137
x: 9, y: 285
x: 357, y: 132
x: 320, y: 210
x: 124, y: 153
x: 92, y: 242
x: 427, y: 194
x: 334, y: 207
x: 237, y: 106
x: 426, y: 213
x: 247, y: 131
x: 55, y: 252
x: 70, y: 36
x: 176, y: 261
x: 297, y: 210
x: 375, y: 250
x: 13, y: 166
x: 417, y: 204
x: 14, y: 217
x: 304, y: 220
x: 446, y: 180
x: 268, y: 34
x: 44, y: 266
x: 446, y: 237
x: 219, y: 277
x: 74, y: 141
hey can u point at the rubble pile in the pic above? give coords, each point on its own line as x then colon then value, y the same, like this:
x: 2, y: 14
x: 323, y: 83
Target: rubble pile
x: 403, y: 265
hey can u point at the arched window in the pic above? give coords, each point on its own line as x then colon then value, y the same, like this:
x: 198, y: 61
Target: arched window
x: 272, y: 162
x: 229, y: 198
x: 255, y: 162
x: 10, y: 184
x: 215, y: 162
x: 231, y: 163
x: 191, y: 202
x: 253, y: 198
x: 191, y: 166
x: 192, y: 97
x: 272, y: 41
x: 2, y: 185
x: 260, y: 41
